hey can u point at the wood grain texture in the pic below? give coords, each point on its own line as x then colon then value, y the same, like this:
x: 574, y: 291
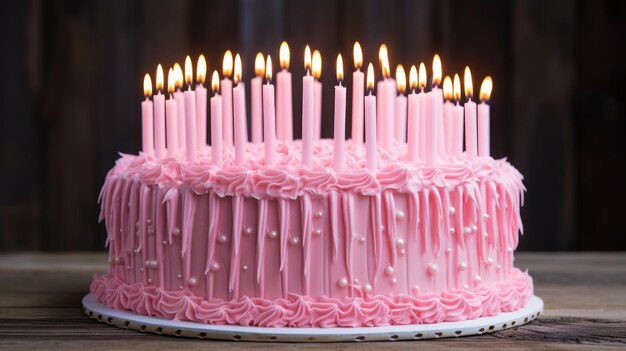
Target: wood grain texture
x: 584, y: 295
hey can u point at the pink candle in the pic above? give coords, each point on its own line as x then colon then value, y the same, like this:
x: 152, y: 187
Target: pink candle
x: 269, y: 128
x: 431, y: 128
x: 201, y: 102
x: 190, y: 114
x: 171, y: 117
x: 438, y: 106
x: 284, y: 110
x: 317, y: 95
x: 457, y: 120
x: 180, y: 106
x: 239, y: 101
x: 400, y: 123
x: 371, y: 156
x: 227, y: 99
x: 447, y: 116
x: 216, y: 121
x: 339, y: 152
x: 147, y: 123
x: 413, y: 118
x: 159, y: 116
x: 307, y: 111
x: 470, y: 118
x: 358, y: 86
x: 422, y: 112
x: 483, y: 118
x: 257, y: 99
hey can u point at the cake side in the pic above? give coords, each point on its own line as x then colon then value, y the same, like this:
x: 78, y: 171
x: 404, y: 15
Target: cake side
x: 279, y: 246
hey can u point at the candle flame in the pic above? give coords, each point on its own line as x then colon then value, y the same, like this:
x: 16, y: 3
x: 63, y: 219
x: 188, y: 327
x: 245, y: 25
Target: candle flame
x: 215, y: 82
x: 422, y: 76
x: 317, y: 64
x: 188, y: 71
x: 159, y: 78
x: 201, y: 70
x: 227, y: 64
x: 400, y: 79
x: 413, y: 78
x: 358, y: 55
x: 171, y: 78
x: 178, y: 76
x: 259, y: 65
x: 456, y: 91
x: 485, y: 89
x: 307, y: 59
x: 447, y: 88
x: 268, y: 68
x: 383, y: 57
x: 339, y: 68
x: 370, y: 77
x: 437, y: 70
x: 467, y: 82
x: 283, y: 55
x: 238, y: 68
x: 147, y: 85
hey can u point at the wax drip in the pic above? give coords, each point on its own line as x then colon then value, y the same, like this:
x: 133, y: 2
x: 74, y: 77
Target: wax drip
x: 143, y: 232
x: 283, y: 218
x: 235, y: 258
x: 305, y: 213
x: 390, y: 233
x: 171, y: 205
x: 333, y: 222
x: 261, y: 236
x: 378, y: 236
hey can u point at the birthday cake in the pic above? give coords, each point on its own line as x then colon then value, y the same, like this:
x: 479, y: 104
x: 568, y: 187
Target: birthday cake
x: 286, y: 245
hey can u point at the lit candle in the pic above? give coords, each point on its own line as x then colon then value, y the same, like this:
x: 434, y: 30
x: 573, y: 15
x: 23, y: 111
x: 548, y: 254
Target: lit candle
x: 257, y: 99
x: 159, y: 115
x: 422, y: 79
x: 147, y: 123
x: 437, y: 97
x: 284, y: 110
x: 447, y: 114
x: 358, y: 85
x: 239, y: 102
x: 339, y: 152
x: 201, y: 102
x: 371, y: 157
x: 317, y: 95
x: 269, y: 128
x: 470, y: 117
x: 413, y: 118
x: 180, y: 105
x: 457, y: 119
x: 483, y: 118
x: 216, y: 121
x: 171, y: 116
x: 386, y: 93
x: 400, y: 124
x: 190, y: 113
x: 227, y: 99
x: 307, y: 111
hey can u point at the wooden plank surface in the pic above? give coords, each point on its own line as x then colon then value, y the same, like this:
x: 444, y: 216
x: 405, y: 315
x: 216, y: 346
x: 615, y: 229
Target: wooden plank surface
x: 584, y: 294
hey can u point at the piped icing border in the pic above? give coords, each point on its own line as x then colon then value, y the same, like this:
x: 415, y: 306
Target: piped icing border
x: 486, y: 299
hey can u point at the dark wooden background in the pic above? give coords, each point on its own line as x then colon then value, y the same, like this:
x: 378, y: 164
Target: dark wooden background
x: 71, y: 74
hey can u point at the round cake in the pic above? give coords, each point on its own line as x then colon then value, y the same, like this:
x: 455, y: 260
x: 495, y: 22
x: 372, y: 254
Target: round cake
x: 292, y: 246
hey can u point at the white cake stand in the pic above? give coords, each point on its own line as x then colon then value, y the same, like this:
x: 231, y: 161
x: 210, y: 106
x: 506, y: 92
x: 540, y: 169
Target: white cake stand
x: 134, y: 321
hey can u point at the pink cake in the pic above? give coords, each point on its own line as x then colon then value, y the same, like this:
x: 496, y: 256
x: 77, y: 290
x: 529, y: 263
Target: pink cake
x: 288, y: 246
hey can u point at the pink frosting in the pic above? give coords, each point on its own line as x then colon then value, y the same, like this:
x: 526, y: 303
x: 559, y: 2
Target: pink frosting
x: 302, y: 311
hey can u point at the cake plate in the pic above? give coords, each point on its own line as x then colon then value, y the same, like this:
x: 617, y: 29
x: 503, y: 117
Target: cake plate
x: 134, y: 321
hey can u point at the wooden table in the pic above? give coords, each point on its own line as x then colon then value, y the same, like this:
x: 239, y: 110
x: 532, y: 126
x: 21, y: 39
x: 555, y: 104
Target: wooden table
x: 584, y: 294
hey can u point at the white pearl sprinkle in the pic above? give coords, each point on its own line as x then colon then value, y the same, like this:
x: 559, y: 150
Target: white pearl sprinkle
x: 394, y: 280
x: 248, y: 231
x: 467, y: 230
x: 477, y: 278
x: 244, y: 268
x: 181, y: 287
x: 272, y: 234
x: 389, y: 270
x: 400, y: 242
x: 489, y: 260
x: 433, y: 268
x: 486, y: 216
x: 343, y: 282
x: 474, y: 227
x: 141, y: 269
x: 165, y: 242
x: 118, y: 260
x: 466, y: 287
x: 317, y: 232
x: 498, y: 267
x: 148, y: 221
x: 485, y: 234
x: 192, y: 281
x: 180, y: 276
x: 151, y: 263
x: 149, y: 280
x: 362, y: 239
x: 294, y: 241
x: 319, y: 214
x: 400, y: 214
x: 150, y: 230
x: 462, y: 266
x: 176, y: 231
x: 382, y: 228
x: 509, y: 249
x: 449, y: 250
x: 356, y: 281
x: 215, y: 266
x: 129, y: 268
x: 367, y: 288
x: 416, y: 288
x: 452, y: 230
x: 451, y: 210
x: 222, y: 238
x: 401, y: 252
